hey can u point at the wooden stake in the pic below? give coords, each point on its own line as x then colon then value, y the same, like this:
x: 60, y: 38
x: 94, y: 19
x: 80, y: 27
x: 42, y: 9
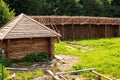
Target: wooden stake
x: 53, y: 75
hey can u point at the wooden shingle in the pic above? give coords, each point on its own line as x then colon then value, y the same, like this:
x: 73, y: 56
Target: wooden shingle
x: 25, y: 27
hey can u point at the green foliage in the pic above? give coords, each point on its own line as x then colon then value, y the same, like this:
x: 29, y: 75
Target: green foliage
x: 102, y: 54
x: 66, y: 7
x: 115, y: 8
x: 5, y: 13
x: 28, y: 60
x: 36, y: 57
x: 45, y: 7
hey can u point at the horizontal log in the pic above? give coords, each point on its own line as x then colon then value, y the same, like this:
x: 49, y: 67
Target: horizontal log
x: 18, y: 69
x: 76, y: 71
x: 101, y: 75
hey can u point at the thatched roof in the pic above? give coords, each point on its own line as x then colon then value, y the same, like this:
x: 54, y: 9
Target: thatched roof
x: 25, y: 27
x: 67, y: 20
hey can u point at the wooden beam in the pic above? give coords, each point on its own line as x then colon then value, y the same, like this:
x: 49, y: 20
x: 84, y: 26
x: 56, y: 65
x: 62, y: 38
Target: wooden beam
x: 72, y: 29
x: 101, y: 75
x: 63, y: 32
x: 76, y: 71
x: 85, y: 21
x: 89, y: 28
x: 67, y: 21
x: 61, y: 76
x: 119, y: 31
x: 51, y: 49
x: 17, y: 69
x: 116, y: 22
x: 101, y: 22
x: 7, y: 48
x: 53, y: 75
x: 106, y: 31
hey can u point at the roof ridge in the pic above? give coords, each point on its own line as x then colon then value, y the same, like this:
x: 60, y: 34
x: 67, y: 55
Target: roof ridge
x: 13, y: 25
x: 42, y: 25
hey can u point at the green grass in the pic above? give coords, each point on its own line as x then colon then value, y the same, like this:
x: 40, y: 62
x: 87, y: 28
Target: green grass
x: 6, y: 73
x: 102, y: 54
x: 28, y: 75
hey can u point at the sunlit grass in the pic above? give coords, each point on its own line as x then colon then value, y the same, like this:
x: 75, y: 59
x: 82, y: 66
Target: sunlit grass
x: 102, y: 54
x: 28, y: 75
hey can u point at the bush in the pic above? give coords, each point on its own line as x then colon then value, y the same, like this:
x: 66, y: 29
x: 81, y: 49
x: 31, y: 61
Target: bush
x: 34, y: 57
x: 5, y: 13
x: 37, y: 57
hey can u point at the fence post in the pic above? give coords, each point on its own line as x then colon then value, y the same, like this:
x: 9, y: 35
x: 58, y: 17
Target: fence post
x: 2, y: 66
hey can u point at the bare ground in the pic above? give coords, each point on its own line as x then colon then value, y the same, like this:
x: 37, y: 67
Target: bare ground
x: 69, y: 61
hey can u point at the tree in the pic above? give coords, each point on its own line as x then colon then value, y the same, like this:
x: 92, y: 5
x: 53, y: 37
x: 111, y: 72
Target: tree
x: 68, y: 7
x: 91, y: 7
x: 106, y: 8
x: 5, y: 13
x: 45, y: 7
x: 115, y: 8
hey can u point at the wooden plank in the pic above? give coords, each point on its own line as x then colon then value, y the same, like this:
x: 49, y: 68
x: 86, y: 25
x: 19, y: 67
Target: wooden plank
x: 61, y: 76
x: 53, y: 75
x: 51, y: 48
x: 106, y: 31
x: 73, y: 29
x: 101, y: 75
x: 76, y: 71
x: 11, y: 24
x: 17, y: 69
x: 119, y: 31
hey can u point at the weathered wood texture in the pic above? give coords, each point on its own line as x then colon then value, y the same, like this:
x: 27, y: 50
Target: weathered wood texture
x: 24, y: 35
x: 18, y: 48
x: 82, y: 27
x: 25, y: 27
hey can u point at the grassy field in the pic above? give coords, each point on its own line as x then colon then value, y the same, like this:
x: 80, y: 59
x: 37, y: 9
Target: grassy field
x: 102, y: 54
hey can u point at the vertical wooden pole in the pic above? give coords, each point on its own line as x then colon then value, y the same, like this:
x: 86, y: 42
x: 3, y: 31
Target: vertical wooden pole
x: 63, y: 34
x: 72, y: 29
x: 62, y: 26
x: 119, y: 31
x: 89, y: 32
x: 7, y: 49
x: 51, y: 53
x: 106, y: 31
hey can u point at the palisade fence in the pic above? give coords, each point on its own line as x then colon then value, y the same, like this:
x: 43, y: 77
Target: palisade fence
x: 74, y: 27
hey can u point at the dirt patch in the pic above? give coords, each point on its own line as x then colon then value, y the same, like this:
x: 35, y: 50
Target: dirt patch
x: 69, y: 62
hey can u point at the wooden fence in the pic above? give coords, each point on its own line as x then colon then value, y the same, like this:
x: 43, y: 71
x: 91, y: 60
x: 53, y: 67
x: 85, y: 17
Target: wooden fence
x: 74, y: 27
